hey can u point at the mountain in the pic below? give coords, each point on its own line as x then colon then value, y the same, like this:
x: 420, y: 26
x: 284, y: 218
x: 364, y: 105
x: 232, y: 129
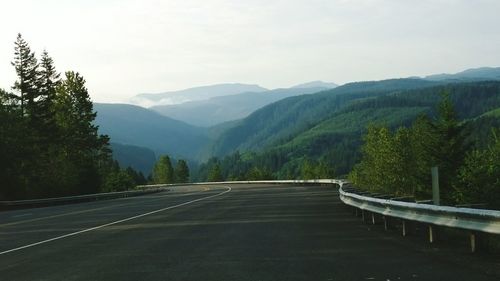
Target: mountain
x: 134, y: 125
x: 140, y: 158
x: 316, y: 84
x: 227, y: 108
x: 482, y: 73
x: 286, y: 118
x: 194, y: 94
x: 283, y: 138
x: 339, y: 135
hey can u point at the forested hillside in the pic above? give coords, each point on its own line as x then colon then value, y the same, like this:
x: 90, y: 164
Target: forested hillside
x: 330, y: 142
x: 285, y: 119
x: 139, y: 158
x: 134, y: 125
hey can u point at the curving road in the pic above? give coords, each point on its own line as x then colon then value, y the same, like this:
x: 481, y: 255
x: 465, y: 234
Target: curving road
x: 232, y: 232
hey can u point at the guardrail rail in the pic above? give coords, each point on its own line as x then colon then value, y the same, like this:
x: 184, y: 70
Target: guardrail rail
x: 4, y: 205
x: 474, y: 220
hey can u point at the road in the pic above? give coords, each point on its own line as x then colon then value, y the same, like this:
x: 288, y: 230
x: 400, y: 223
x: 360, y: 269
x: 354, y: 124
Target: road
x: 232, y: 232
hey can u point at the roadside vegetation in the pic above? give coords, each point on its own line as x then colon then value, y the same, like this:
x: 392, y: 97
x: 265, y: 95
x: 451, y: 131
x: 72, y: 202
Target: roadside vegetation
x: 49, y: 145
x: 399, y: 162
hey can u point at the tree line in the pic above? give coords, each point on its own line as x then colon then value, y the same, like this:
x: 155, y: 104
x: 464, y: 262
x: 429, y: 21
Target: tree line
x: 399, y: 161
x: 49, y: 145
x: 164, y: 172
x: 262, y: 166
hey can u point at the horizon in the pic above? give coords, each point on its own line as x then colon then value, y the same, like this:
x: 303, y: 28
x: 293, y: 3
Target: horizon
x: 132, y: 47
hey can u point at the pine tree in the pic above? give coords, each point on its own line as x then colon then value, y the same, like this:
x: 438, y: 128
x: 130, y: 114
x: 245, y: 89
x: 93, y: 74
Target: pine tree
x: 49, y: 79
x: 26, y: 66
x: 163, y: 171
x: 80, y: 143
x: 215, y: 173
x: 448, y: 147
x: 75, y: 114
x: 181, y: 171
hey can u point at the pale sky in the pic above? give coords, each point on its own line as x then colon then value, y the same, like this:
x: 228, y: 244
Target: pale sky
x: 126, y: 47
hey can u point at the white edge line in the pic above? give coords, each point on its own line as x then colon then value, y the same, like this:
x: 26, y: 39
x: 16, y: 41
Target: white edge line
x: 115, y: 222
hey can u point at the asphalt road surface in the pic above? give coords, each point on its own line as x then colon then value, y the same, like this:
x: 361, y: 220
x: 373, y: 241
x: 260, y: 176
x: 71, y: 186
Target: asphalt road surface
x: 214, y: 233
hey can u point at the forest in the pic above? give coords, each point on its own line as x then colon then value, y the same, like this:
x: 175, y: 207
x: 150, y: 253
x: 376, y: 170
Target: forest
x: 387, y: 143
x: 49, y: 144
x: 399, y: 161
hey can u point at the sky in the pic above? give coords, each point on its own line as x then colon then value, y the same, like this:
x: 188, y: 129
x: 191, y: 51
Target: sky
x: 127, y: 47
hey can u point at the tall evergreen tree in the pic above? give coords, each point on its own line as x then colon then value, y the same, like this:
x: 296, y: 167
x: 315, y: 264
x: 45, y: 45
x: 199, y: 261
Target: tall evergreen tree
x: 26, y: 66
x: 448, y: 147
x: 215, y: 173
x: 181, y: 171
x: 49, y: 79
x: 163, y: 171
x: 81, y: 146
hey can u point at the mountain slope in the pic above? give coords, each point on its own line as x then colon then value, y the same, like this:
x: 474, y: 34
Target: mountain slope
x: 336, y: 139
x: 194, y: 94
x: 227, y: 108
x: 140, y: 158
x: 286, y: 118
x: 328, y: 138
x: 134, y: 125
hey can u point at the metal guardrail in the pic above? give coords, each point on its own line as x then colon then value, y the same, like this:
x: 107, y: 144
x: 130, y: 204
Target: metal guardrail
x: 145, y: 189
x: 316, y: 181
x: 78, y: 198
x: 464, y: 218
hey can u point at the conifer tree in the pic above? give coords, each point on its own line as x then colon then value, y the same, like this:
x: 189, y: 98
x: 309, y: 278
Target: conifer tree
x: 26, y: 66
x: 163, y: 171
x: 447, y: 147
x: 215, y: 173
x: 49, y: 79
x: 181, y: 171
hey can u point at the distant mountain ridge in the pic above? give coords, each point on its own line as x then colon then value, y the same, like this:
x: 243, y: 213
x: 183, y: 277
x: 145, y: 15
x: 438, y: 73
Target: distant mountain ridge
x: 286, y: 118
x: 316, y: 84
x: 194, y: 94
x: 481, y: 73
x: 222, y: 109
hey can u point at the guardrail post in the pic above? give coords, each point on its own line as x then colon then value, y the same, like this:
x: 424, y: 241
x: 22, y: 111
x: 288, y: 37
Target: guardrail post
x: 386, y: 223
x: 473, y: 237
x: 363, y: 215
x: 405, y: 230
x: 373, y: 219
x: 435, y: 185
x: 432, y: 234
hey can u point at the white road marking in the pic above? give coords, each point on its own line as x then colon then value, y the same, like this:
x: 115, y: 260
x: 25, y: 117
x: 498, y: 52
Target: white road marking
x: 153, y: 199
x: 113, y: 223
